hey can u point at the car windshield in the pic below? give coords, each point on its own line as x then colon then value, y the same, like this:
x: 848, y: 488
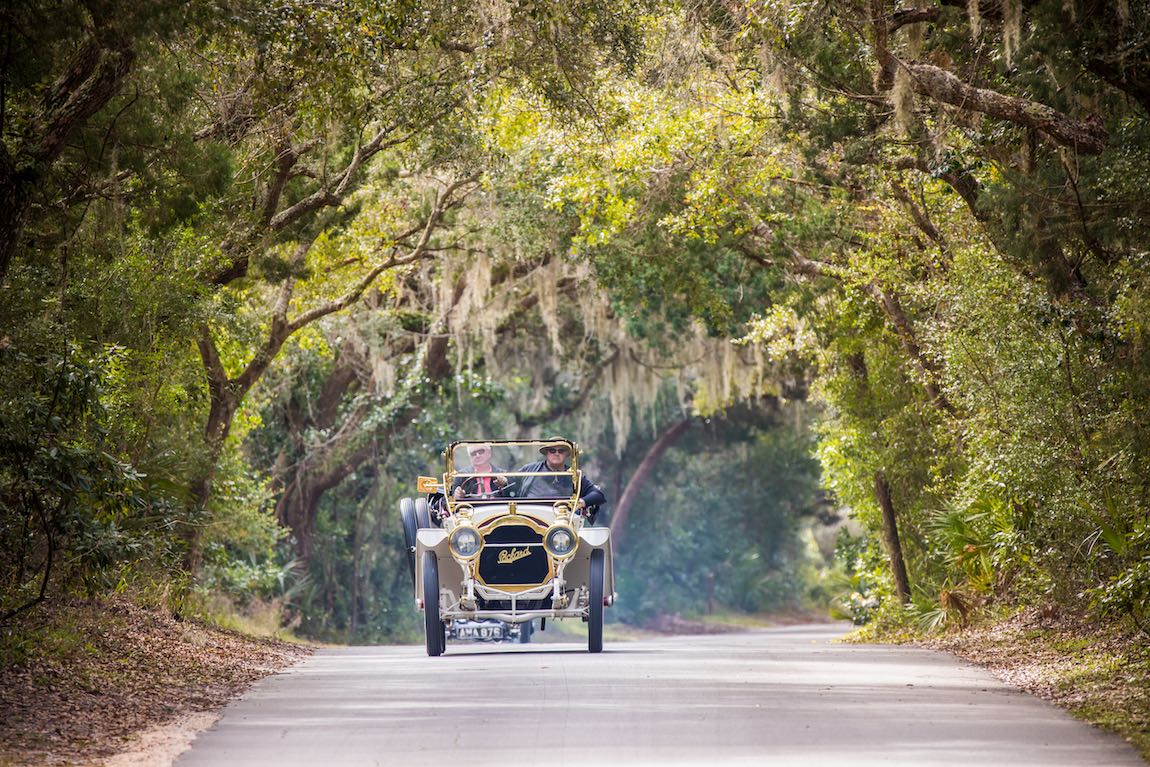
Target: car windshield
x: 500, y: 470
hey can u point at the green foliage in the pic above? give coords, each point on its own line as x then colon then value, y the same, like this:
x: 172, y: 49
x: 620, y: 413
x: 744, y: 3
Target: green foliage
x: 242, y: 541
x: 963, y: 297
x: 1127, y: 593
x: 69, y: 502
x: 860, y: 585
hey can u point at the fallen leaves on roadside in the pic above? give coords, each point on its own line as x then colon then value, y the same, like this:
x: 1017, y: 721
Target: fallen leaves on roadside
x: 79, y: 679
x: 1098, y: 671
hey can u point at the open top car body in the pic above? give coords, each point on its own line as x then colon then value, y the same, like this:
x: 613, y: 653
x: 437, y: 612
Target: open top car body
x: 513, y: 547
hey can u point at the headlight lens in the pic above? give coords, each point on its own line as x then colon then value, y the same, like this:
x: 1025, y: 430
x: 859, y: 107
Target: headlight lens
x: 560, y: 541
x: 466, y: 542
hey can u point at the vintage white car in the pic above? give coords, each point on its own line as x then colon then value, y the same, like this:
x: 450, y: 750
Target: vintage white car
x: 509, y: 544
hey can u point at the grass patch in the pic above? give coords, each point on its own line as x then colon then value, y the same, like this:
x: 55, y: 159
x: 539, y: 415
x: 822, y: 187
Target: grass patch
x: 257, y: 618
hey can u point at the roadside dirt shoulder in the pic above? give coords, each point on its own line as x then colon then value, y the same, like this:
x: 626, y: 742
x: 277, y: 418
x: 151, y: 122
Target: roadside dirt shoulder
x: 1100, y: 672
x: 83, y: 682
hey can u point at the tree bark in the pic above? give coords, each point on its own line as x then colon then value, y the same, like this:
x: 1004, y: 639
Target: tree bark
x: 890, y: 535
x: 1086, y: 136
x: 651, y: 459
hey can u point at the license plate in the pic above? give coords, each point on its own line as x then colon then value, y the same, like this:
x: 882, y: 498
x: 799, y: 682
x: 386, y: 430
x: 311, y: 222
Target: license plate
x: 488, y: 633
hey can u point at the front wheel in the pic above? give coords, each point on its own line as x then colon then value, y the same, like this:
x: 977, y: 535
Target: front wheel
x: 595, y: 604
x: 433, y: 627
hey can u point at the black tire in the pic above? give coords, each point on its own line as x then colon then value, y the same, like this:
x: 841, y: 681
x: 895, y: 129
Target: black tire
x: 595, y: 606
x: 410, y: 526
x: 433, y: 627
x: 525, y: 632
x: 422, y: 515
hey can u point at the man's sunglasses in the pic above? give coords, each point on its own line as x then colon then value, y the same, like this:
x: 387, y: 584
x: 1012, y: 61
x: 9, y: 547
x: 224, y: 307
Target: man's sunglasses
x: 556, y: 450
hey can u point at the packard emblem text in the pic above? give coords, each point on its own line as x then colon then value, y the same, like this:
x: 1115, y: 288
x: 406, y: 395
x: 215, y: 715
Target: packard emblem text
x: 507, y: 556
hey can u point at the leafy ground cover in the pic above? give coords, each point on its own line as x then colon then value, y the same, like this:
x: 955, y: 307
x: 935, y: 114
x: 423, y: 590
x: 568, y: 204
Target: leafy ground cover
x: 1099, y: 671
x: 80, y: 680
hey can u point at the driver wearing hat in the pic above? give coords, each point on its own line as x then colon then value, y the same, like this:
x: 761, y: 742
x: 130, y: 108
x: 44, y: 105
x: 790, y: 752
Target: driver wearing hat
x: 555, y: 453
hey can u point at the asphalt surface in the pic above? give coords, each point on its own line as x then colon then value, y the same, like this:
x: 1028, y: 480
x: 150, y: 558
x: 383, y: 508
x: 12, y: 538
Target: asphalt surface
x: 789, y: 696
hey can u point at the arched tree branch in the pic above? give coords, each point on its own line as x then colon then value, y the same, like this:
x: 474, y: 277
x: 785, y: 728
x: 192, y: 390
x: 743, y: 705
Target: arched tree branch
x: 638, y: 480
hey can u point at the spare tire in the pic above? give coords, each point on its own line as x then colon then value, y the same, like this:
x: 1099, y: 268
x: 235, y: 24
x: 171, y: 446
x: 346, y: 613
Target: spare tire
x: 422, y: 515
x: 407, y: 517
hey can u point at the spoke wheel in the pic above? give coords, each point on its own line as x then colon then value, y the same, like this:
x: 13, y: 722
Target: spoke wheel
x: 595, y: 604
x: 410, y: 526
x: 433, y: 627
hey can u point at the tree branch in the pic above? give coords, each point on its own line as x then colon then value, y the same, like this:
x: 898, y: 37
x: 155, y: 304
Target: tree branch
x: 445, y: 201
x: 888, y: 302
x: 213, y: 366
x: 892, y: 307
x: 639, y: 479
x: 907, y: 16
x: 333, y: 192
x: 92, y: 79
x: 919, y: 215
x: 1087, y: 136
x: 884, y: 75
x: 964, y: 184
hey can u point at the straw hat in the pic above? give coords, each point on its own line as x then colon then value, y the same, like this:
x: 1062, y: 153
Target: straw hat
x: 556, y: 442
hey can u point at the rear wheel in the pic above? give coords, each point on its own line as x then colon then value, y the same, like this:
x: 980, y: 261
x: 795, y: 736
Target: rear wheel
x: 410, y: 526
x: 422, y: 516
x: 595, y: 604
x: 433, y: 627
x: 525, y: 632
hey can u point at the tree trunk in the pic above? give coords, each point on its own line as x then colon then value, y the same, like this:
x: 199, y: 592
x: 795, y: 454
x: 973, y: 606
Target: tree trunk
x: 14, y: 203
x: 642, y: 474
x: 356, y: 565
x: 890, y: 534
x: 224, y: 403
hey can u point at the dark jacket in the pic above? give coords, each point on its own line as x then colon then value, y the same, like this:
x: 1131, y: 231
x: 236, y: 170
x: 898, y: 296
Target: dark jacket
x: 546, y: 487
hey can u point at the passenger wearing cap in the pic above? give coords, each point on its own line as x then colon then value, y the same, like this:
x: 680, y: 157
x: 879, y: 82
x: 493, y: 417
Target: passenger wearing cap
x: 555, y: 455
x: 479, y: 487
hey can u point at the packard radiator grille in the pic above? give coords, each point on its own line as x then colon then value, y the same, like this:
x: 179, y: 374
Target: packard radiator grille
x: 513, y: 555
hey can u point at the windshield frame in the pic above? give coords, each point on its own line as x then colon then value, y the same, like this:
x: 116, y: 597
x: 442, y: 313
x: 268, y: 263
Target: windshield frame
x: 451, y: 474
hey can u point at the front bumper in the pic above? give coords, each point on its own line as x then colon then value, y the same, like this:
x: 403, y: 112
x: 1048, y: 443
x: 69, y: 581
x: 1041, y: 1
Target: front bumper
x: 575, y: 605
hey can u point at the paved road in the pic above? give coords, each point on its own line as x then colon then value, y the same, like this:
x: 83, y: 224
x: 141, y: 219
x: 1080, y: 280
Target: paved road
x: 779, y: 697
